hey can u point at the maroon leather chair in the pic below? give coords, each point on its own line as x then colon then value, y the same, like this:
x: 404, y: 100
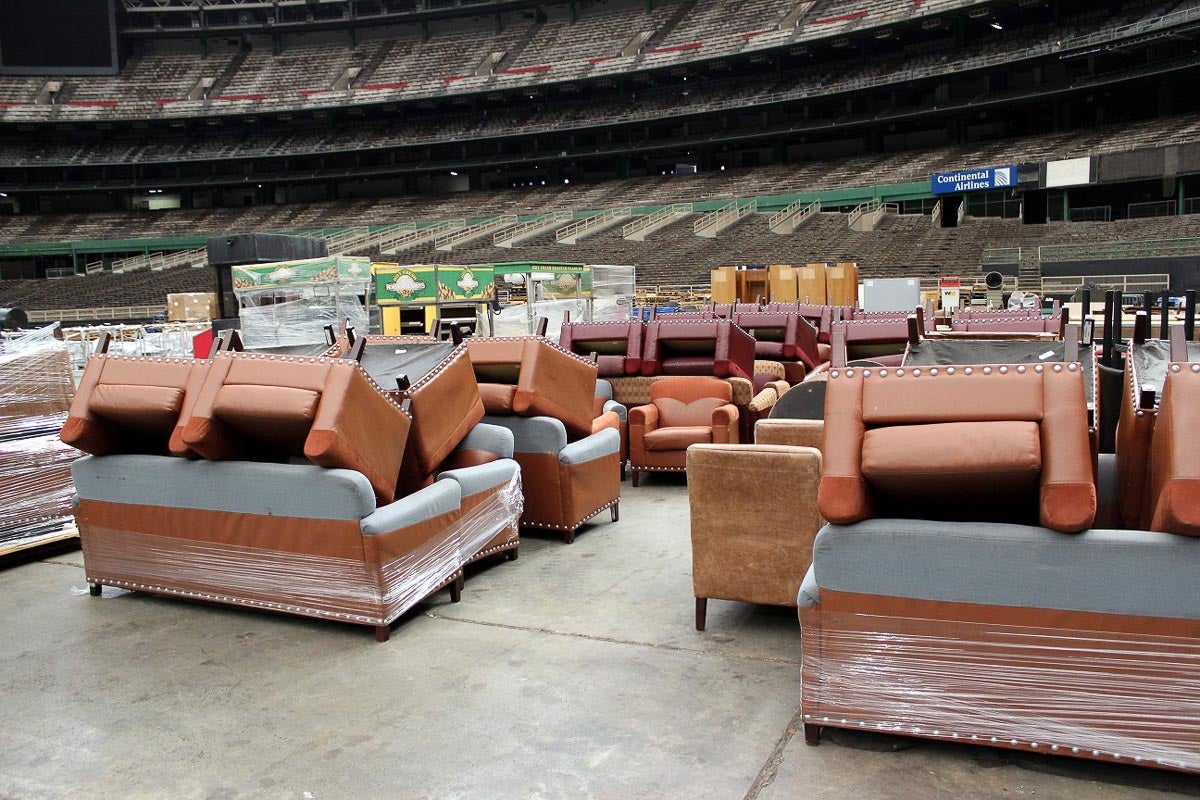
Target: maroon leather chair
x: 782, y: 336
x: 716, y: 348
x: 618, y: 345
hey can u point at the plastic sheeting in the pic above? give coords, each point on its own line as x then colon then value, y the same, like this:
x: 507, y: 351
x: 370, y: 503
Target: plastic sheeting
x: 1131, y: 698
x: 346, y: 589
x: 35, y: 476
x: 269, y: 320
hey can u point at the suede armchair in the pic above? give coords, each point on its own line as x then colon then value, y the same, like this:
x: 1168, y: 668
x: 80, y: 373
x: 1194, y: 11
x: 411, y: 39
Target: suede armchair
x: 746, y: 544
x: 681, y: 412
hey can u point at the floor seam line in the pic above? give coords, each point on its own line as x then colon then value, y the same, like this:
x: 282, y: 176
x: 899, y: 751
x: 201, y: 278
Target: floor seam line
x: 770, y: 770
x: 613, y: 640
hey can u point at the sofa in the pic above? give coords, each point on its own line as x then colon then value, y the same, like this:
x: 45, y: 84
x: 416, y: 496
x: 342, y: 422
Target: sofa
x: 1039, y: 633
x: 717, y: 348
x: 288, y: 501
x: 617, y: 345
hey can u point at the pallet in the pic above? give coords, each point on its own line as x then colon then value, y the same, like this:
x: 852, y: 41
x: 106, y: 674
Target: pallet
x: 52, y: 540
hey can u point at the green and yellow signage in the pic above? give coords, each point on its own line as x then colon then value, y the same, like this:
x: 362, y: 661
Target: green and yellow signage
x: 330, y: 269
x: 429, y: 283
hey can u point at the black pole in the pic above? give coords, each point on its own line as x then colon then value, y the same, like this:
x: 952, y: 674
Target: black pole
x: 1165, y: 322
x: 1087, y: 305
x: 1108, y: 327
x: 1148, y: 303
x: 1118, y: 325
x: 1189, y: 321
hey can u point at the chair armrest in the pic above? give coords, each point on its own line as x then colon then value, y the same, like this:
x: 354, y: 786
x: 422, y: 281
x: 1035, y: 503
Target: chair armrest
x: 763, y: 401
x: 792, y: 432
x: 605, y: 443
x: 443, y: 497
x: 494, y: 439
x: 605, y: 421
x: 532, y: 434
x: 645, y: 416
x: 621, y: 411
x: 725, y: 424
x: 473, y: 480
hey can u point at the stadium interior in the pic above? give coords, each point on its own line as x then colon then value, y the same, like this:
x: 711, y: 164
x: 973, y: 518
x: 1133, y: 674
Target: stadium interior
x: 692, y: 142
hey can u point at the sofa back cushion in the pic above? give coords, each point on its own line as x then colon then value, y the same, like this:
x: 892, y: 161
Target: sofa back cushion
x: 688, y: 402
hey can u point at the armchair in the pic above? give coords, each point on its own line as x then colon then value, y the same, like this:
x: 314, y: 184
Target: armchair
x: 681, y: 412
x: 603, y: 404
x: 717, y: 348
x: 618, y: 345
x: 964, y: 443
x: 746, y: 544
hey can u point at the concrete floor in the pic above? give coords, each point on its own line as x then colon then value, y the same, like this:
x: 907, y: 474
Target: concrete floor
x: 574, y: 672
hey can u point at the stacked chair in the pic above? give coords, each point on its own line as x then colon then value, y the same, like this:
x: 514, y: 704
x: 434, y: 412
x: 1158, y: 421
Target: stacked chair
x: 546, y: 396
x: 285, y: 483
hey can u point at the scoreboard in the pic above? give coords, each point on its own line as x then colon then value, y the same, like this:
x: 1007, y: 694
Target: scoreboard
x: 58, y: 37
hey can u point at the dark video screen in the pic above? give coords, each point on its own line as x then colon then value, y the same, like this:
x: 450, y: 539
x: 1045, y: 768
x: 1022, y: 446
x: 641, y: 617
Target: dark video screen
x: 57, y: 37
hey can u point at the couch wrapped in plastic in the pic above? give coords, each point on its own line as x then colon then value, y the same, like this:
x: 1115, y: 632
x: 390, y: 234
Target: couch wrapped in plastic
x: 546, y: 396
x: 289, y: 502
x: 35, y: 474
x: 961, y: 595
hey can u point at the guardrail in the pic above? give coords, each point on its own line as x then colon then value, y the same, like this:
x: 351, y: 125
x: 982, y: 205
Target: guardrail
x: 1001, y: 256
x: 527, y: 230
x: 793, y: 216
x: 1126, y: 284
x: 1153, y: 208
x: 570, y: 234
x: 450, y: 240
x: 639, y: 229
x: 1091, y: 214
x: 712, y: 223
x: 406, y: 240
x: 85, y: 314
x: 1132, y: 248
x: 866, y: 217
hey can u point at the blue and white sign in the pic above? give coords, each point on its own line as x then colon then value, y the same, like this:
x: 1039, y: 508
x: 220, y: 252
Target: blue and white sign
x: 973, y: 180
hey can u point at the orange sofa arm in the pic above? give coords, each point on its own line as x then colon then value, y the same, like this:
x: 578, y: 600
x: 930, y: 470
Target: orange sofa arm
x: 642, y: 420
x: 843, y: 498
x: 608, y: 419
x: 1068, y: 488
x: 725, y: 424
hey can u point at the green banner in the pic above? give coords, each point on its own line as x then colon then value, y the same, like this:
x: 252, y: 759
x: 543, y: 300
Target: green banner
x: 310, y: 270
x: 411, y: 284
x: 427, y: 283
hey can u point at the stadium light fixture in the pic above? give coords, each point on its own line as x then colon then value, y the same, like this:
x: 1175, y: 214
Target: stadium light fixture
x: 997, y: 26
x: 455, y: 174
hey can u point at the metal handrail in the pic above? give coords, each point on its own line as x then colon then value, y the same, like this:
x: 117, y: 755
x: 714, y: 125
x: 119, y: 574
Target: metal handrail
x: 666, y: 212
x: 586, y: 225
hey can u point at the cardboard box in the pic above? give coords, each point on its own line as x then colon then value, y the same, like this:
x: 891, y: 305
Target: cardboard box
x: 191, y: 306
x: 841, y: 284
x: 810, y: 284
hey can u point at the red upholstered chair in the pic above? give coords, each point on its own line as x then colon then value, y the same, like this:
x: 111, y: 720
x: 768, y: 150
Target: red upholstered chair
x: 618, y: 345
x: 681, y: 412
x: 716, y: 348
x: 959, y: 443
x: 882, y: 341
x: 782, y: 336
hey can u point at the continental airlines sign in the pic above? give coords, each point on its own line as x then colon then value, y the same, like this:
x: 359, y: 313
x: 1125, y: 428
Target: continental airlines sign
x: 973, y: 180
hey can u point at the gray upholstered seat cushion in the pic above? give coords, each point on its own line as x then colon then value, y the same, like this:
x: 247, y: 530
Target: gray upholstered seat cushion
x: 809, y: 594
x: 491, y: 438
x: 292, y: 490
x: 1106, y: 571
x: 532, y: 434
x: 442, y: 497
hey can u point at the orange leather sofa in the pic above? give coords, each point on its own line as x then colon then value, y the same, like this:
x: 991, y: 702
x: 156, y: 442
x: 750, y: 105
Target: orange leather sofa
x: 1172, y: 477
x: 682, y: 412
x: 292, y: 504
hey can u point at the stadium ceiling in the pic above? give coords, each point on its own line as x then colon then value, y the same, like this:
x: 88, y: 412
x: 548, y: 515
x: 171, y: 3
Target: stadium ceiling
x: 159, y: 6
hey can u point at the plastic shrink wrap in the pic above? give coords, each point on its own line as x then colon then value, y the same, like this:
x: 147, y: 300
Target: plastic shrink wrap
x: 35, y: 476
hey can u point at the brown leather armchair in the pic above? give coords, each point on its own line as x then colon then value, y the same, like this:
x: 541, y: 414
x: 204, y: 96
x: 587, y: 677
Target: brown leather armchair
x: 257, y: 407
x: 968, y: 443
x: 682, y: 412
x: 1173, y: 469
x: 134, y: 404
x: 746, y: 544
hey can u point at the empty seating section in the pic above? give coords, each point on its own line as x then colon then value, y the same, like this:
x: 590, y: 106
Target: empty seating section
x: 304, y: 72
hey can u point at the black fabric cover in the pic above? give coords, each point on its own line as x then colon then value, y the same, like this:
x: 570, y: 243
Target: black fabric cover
x: 1151, y: 358
x: 971, y: 352
x: 802, y: 401
x: 385, y: 361
x: 292, y: 350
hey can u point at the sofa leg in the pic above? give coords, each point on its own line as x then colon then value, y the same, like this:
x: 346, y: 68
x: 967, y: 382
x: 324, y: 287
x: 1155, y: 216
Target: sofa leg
x: 812, y: 734
x: 701, y: 613
x: 615, y: 512
x: 383, y: 633
x: 94, y: 589
x: 636, y: 473
x: 569, y: 537
x: 622, y: 471
x: 511, y: 555
x: 456, y: 589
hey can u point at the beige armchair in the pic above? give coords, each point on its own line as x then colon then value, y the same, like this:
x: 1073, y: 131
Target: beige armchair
x: 754, y: 517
